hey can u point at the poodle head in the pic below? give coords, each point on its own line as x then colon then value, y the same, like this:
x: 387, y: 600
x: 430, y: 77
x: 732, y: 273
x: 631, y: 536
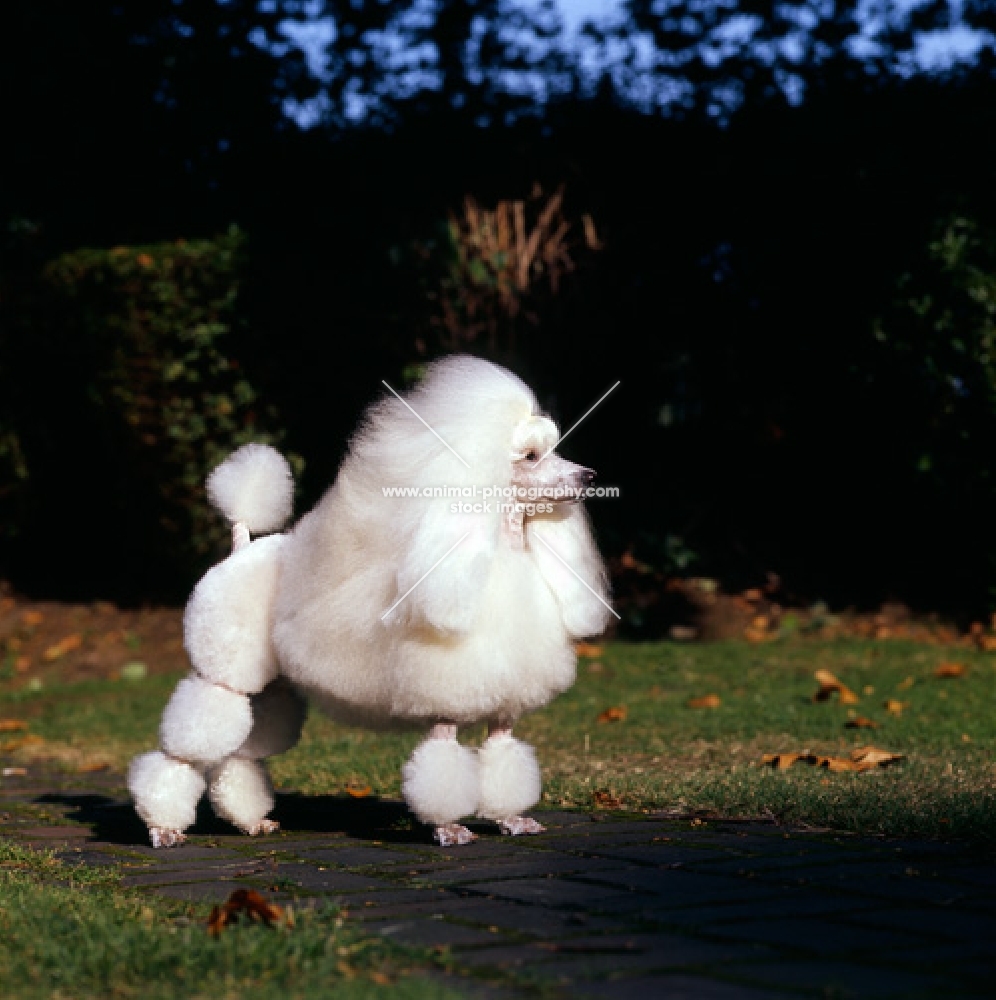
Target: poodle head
x: 539, y: 470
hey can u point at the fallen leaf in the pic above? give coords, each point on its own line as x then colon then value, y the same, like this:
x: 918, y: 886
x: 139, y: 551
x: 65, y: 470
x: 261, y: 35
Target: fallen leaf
x: 92, y: 768
x: 32, y: 618
x: 860, y: 722
x: 63, y: 646
x: 604, y: 799
x: 783, y: 761
x: 872, y: 755
x: 906, y: 684
x: 617, y: 713
x: 894, y: 706
x: 22, y: 664
x: 248, y: 903
x: 587, y: 649
x: 754, y: 594
x: 706, y: 701
x: 12, y: 725
x: 358, y: 791
x: 829, y: 684
x: 683, y: 633
x: 949, y: 670
x: 380, y: 978
x: 868, y: 690
x: 24, y: 741
x: 861, y: 759
x: 134, y: 671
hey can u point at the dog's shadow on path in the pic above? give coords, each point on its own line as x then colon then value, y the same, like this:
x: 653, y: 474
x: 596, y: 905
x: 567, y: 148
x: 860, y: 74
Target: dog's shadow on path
x: 114, y: 821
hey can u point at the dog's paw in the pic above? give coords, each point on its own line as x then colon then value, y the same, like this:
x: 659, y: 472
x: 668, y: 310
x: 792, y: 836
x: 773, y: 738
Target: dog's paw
x: 161, y: 837
x: 515, y: 826
x: 263, y: 827
x: 453, y: 834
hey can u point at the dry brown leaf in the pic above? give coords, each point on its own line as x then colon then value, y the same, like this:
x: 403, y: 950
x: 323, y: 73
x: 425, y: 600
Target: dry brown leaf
x: 604, y: 799
x: 950, y: 670
x: 244, y: 903
x: 380, y: 978
x: 830, y: 684
x: 783, y: 761
x: 906, y: 684
x: 32, y: 618
x: 63, y: 646
x: 872, y: 755
x: 617, y: 713
x: 359, y: 791
x: 22, y: 664
x: 12, y: 725
x: 861, y: 759
x: 587, y: 649
x: 25, y: 741
x: 706, y: 701
x: 894, y: 706
x: 860, y: 722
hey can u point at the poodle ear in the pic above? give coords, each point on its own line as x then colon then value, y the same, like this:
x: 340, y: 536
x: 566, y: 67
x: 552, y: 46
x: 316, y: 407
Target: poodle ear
x: 564, y: 550
x: 445, y: 568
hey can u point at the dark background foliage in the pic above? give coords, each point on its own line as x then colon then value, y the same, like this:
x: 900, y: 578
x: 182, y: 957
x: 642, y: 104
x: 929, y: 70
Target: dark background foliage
x: 789, y: 260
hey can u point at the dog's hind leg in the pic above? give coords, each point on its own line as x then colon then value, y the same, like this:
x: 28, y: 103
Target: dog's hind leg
x: 441, y: 784
x: 511, y: 781
x: 239, y: 787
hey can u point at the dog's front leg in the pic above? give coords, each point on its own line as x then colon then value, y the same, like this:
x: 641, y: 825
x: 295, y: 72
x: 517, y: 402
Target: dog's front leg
x: 511, y: 781
x: 441, y: 784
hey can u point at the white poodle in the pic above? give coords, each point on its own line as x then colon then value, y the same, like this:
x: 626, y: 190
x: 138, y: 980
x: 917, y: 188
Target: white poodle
x: 440, y: 582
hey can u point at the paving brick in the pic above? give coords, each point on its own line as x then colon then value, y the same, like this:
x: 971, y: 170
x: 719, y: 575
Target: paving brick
x: 356, y: 857
x: 671, y: 988
x: 837, y: 978
x: 817, y: 936
x: 433, y: 933
x: 546, y: 892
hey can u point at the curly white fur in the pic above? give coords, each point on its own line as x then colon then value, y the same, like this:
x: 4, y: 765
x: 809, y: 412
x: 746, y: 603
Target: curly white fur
x: 441, y: 781
x: 387, y: 609
x: 254, y: 486
x: 487, y: 633
x: 165, y: 791
x: 511, y: 781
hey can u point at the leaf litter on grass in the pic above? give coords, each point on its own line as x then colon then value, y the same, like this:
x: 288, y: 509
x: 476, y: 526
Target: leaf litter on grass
x: 861, y: 759
x: 829, y: 685
x: 247, y: 903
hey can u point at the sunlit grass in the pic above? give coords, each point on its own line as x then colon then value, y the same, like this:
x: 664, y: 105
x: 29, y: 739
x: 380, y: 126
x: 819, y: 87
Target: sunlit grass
x: 58, y: 941
x: 665, y: 755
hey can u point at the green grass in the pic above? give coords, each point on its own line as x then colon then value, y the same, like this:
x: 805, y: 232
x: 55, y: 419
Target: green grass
x: 59, y: 942
x: 665, y: 755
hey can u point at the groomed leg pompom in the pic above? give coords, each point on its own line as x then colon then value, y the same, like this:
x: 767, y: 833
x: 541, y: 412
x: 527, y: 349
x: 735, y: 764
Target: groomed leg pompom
x: 204, y: 722
x: 165, y: 791
x: 440, y: 782
x: 511, y: 781
x: 240, y: 791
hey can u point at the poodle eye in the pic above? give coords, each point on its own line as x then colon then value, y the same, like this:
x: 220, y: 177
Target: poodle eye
x: 531, y: 456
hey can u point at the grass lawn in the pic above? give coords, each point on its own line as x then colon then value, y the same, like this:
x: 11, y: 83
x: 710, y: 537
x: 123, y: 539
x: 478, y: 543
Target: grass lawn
x: 59, y: 942
x: 663, y: 754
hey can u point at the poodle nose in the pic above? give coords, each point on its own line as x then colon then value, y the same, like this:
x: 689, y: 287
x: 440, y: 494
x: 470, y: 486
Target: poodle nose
x: 586, y: 475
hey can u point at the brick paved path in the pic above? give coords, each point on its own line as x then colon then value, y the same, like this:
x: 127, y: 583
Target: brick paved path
x: 600, y: 906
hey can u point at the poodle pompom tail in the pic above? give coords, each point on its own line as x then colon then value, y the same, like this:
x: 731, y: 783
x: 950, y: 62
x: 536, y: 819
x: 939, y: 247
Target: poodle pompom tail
x: 253, y: 485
